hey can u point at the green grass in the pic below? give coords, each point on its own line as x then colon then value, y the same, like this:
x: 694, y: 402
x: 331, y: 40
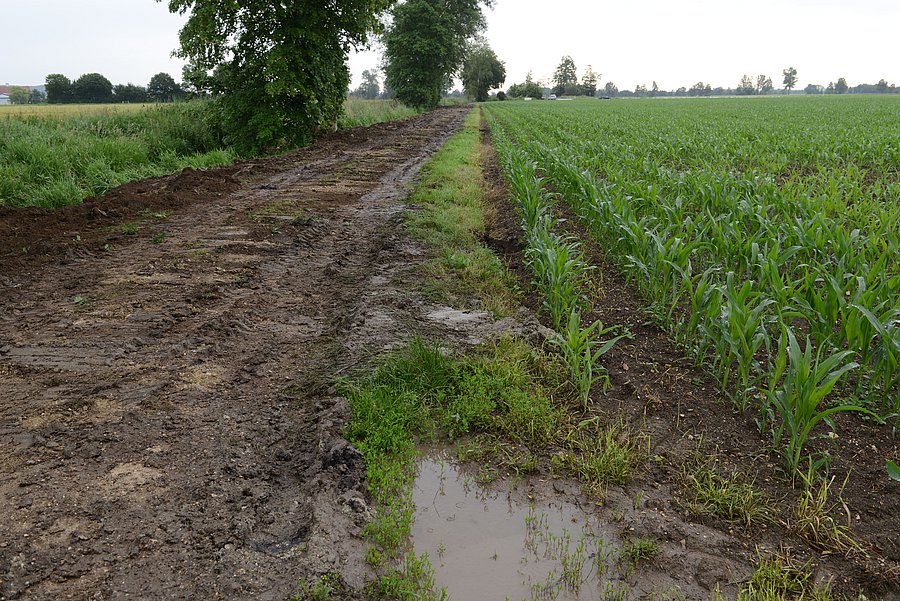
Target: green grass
x: 451, y: 221
x: 730, y: 497
x: 600, y: 455
x: 359, y: 113
x: 57, y: 155
x: 780, y: 578
x: 55, y: 161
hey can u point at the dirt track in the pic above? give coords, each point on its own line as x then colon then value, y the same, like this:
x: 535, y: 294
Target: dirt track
x: 164, y: 428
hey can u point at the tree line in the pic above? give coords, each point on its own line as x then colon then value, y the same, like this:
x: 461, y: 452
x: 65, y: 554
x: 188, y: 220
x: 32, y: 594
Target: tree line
x: 94, y: 88
x: 565, y: 81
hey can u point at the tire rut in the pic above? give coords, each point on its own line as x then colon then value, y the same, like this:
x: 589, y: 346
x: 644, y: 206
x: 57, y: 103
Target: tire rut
x: 163, y: 429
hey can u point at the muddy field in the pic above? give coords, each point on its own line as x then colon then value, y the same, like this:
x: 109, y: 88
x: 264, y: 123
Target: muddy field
x: 164, y: 428
x: 168, y: 427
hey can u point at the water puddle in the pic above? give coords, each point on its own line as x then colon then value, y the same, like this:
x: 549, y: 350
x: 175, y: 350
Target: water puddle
x: 489, y: 544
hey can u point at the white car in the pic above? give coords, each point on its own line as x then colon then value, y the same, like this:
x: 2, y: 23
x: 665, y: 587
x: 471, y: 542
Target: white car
x: 552, y: 96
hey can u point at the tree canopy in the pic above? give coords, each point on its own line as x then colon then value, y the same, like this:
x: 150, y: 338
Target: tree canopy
x: 482, y: 71
x: 59, y: 88
x: 92, y: 88
x: 163, y: 88
x: 425, y: 47
x: 281, y: 66
x: 790, y: 78
x: 369, y: 87
x: 565, y: 75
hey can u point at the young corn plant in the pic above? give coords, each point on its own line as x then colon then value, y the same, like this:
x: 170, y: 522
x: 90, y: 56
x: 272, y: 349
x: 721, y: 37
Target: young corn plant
x: 558, y: 267
x: 581, y: 350
x: 746, y: 334
x: 886, y: 355
x: 798, y: 387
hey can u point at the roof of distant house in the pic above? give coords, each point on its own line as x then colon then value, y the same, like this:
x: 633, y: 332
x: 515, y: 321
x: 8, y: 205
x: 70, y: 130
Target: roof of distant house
x: 8, y: 89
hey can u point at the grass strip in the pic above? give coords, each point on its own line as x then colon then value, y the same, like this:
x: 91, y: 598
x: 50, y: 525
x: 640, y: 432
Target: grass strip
x: 450, y: 219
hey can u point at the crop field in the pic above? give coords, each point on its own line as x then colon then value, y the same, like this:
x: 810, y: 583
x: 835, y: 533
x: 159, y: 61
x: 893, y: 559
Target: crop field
x: 763, y: 236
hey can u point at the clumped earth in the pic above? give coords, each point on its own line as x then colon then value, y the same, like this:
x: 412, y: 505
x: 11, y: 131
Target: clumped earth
x: 168, y: 422
x: 165, y: 424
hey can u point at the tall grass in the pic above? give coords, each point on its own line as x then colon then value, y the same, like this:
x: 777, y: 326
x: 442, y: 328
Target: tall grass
x: 52, y: 162
x: 359, y: 112
x: 57, y: 155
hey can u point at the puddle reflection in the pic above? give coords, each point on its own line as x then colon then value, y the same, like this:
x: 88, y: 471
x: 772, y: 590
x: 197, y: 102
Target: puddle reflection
x: 484, y: 545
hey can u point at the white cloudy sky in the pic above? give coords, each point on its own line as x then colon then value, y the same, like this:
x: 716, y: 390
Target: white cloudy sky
x: 676, y: 43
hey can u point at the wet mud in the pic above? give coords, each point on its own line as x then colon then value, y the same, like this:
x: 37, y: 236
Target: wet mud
x: 167, y: 429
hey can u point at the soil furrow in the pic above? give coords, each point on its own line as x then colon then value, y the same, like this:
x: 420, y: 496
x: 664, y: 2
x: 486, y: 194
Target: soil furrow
x: 165, y: 432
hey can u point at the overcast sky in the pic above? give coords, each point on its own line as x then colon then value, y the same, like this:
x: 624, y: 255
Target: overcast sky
x: 630, y: 42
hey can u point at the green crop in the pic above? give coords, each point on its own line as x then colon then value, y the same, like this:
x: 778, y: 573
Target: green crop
x: 733, y: 220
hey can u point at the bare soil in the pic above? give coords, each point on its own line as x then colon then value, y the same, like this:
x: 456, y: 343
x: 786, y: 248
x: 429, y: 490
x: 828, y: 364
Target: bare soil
x: 166, y: 424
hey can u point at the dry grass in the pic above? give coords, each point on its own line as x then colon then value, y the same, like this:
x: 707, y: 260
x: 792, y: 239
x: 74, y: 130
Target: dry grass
x: 68, y: 110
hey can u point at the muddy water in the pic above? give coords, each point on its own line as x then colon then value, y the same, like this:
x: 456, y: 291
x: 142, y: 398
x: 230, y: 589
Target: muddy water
x: 485, y: 543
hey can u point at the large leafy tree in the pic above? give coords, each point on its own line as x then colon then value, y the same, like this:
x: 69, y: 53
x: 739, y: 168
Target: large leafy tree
x: 565, y: 75
x: 18, y: 96
x: 589, y: 81
x: 790, y: 78
x: 482, y: 71
x: 369, y: 88
x: 162, y: 88
x: 425, y: 46
x: 281, y: 67
x: 59, y: 88
x: 92, y: 88
x: 841, y: 86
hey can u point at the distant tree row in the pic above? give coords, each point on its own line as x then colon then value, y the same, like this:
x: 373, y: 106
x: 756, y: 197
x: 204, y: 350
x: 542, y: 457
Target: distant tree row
x: 94, y: 88
x: 565, y: 82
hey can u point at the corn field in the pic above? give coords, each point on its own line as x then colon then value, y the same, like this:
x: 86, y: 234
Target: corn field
x: 764, y: 236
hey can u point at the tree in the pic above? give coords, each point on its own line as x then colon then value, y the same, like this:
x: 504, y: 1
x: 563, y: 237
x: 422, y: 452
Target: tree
x: 589, y: 81
x: 196, y: 81
x: 369, y: 88
x: 130, y: 93
x: 790, y: 78
x: 640, y: 90
x: 482, y: 71
x: 610, y: 89
x: 565, y: 75
x: 882, y: 86
x: 764, y: 84
x: 841, y: 86
x: 162, y: 88
x: 813, y: 89
x: 426, y: 45
x: 654, y: 90
x: 36, y: 97
x: 281, y: 67
x: 59, y: 88
x: 700, y: 89
x: 529, y: 89
x: 830, y: 88
x: 92, y: 88
x: 746, y: 86
x: 18, y: 96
